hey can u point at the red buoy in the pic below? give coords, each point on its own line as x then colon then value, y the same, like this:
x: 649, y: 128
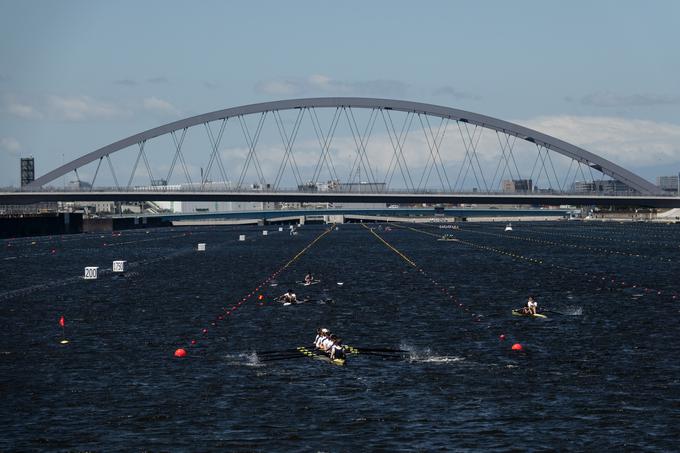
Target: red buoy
x: 260, y: 297
x: 205, y: 330
x: 516, y: 347
x: 193, y: 341
x: 502, y: 337
x: 180, y: 353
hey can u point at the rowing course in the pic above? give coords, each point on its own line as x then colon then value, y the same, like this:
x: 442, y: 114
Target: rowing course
x: 597, y: 374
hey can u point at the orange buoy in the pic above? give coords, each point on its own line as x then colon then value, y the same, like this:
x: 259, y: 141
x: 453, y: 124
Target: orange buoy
x: 516, y: 347
x: 180, y: 353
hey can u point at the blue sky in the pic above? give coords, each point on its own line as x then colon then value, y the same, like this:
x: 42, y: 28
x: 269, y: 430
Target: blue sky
x: 77, y: 75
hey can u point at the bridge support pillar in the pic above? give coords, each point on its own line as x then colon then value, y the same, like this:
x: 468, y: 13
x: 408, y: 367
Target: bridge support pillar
x: 302, y: 220
x: 334, y: 218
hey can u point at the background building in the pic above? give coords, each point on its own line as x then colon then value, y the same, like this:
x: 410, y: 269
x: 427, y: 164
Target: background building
x: 669, y: 183
x: 27, y: 170
x: 518, y: 185
x: 601, y: 185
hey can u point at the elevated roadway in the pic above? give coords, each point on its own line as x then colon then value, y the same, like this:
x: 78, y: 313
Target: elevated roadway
x: 652, y: 201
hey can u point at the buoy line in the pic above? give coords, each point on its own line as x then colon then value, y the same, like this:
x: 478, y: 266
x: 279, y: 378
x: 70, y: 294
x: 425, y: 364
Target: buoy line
x: 71, y: 280
x: 405, y: 258
x: 616, y: 282
x: 561, y: 232
x: 54, y: 248
x: 442, y: 288
x: 227, y: 311
x: 566, y: 244
x: 648, y: 232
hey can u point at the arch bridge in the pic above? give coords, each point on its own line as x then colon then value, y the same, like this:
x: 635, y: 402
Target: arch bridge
x: 327, y: 147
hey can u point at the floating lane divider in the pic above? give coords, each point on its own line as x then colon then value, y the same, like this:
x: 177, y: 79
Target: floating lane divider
x: 404, y: 257
x: 476, y: 317
x: 562, y: 233
x: 79, y: 278
x: 227, y: 311
x: 566, y: 244
x: 612, y: 280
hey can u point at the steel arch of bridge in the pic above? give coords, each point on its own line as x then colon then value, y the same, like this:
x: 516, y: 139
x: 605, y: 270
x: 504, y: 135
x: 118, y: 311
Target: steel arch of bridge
x: 540, y: 139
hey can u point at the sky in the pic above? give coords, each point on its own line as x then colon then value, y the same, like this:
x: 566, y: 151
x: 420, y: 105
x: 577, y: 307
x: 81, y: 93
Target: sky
x: 77, y: 75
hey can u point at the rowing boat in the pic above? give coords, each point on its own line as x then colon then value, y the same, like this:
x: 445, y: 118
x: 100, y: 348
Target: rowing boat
x: 313, y: 282
x: 321, y: 356
x: 518, y: 312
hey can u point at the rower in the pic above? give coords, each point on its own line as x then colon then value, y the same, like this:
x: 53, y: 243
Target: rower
x: 327, y: 343
x: 337, y: 350
x: 309, y: 278
x: 320, y: 338
x: 288, y: 297
x: 532, y: 306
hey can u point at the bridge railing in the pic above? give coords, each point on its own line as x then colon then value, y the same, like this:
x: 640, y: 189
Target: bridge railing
x: 223, y: 188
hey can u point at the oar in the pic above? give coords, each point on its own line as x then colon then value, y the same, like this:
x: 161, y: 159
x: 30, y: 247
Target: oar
x: 374, y: 349
x: 280, y: 351
x: 297, y: 356
x: 379, y: 354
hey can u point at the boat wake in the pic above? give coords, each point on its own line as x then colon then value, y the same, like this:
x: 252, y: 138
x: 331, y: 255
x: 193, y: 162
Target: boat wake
x: 244, y: 359
x: 420, y: 355
x: 572, y: 311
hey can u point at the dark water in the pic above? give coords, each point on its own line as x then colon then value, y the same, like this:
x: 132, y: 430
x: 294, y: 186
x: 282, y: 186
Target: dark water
x: 602, y: 371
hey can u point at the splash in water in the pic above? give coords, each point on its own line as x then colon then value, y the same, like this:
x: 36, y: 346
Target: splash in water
x: 425, y: 355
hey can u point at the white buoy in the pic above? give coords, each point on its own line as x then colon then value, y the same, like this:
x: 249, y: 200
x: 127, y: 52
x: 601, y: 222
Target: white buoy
x: 280, y: 229
x: 265, y: 232
x: 201, y: 247
x: 242, y: 237
x: 91, y: 273
x: 119, y: 266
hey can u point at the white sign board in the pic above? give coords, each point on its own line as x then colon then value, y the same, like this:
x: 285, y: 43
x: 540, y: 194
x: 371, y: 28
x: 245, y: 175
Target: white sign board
x: 119, y: 266
x: 91, y: 273
x: 201, y: 247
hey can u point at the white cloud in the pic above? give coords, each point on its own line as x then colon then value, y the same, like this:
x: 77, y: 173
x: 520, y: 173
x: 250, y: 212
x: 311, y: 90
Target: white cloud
x: 630, y: 143
x: 78, y: 108
x: 23, y: 110
x: 154, y: 104
x: 279, y: 87
x: 10, y: 145
x: 322, y: 84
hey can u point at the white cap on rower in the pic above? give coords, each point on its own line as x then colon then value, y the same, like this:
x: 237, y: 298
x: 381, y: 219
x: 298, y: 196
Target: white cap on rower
x: 324, y: 330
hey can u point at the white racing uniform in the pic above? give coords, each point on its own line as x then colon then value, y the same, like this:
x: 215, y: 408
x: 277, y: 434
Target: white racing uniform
x: 326, y: 344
